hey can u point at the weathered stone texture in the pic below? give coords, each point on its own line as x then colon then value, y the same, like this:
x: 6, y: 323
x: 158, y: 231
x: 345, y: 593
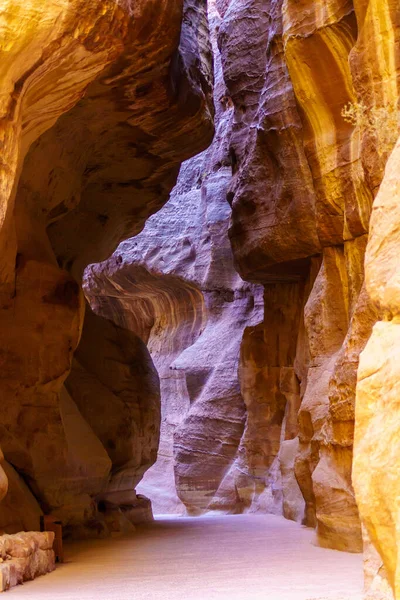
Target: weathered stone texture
x: 377, y: 417
x: 25, y: 556
x: 97, y: 103
x: 258, y: 392
x: 175, y: 286
x: 298, y: 190
x: 225, y: 409
x: 300, y: 179
x: 303, y: 182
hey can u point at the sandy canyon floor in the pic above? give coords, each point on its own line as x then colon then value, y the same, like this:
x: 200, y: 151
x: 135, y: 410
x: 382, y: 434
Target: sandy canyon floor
x: 235, y: 558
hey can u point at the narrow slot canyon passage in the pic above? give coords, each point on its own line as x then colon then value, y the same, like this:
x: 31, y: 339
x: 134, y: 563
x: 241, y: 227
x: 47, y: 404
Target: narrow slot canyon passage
x: 244, y: 557
x: 199, y: 299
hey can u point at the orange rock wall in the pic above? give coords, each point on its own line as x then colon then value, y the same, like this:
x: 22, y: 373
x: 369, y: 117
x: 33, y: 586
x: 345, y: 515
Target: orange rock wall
x: 97, y: 99
x: 100, y: 104
x: 303, y: 182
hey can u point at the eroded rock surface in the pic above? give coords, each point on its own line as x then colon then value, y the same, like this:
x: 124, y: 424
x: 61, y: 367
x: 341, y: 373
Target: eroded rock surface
x: 377, y: 417
x: 299, y: 198
x: 303, y: 183
x: 175, y: 286
x: 300, y: 178
x: 98, y: 110
x: 97, y: 102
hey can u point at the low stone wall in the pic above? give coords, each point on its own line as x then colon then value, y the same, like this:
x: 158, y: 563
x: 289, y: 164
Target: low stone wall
x: 24, y: 556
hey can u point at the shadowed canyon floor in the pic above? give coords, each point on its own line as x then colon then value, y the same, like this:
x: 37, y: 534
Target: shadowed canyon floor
x: 235, y: 558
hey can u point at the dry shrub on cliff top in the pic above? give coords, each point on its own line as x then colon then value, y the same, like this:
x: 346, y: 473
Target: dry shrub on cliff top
x: 381, y: 122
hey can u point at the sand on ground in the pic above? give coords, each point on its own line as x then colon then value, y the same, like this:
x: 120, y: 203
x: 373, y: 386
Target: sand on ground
x: 208, y: 558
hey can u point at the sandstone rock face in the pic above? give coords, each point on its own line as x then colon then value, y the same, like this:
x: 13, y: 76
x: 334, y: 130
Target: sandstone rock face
x: 20, y: 511
x: 101, y: 102
x: 229, y: 399
x: 300, y: 177
x: 125, y: 416
x: 97, y: 101
x: 376, y: 583
x: 300, y: 209
x: 175, y: 286
x: 270, y: 391
x: 25, y: 556
x: 377, y: 84
x: 303, y: 181
x: 377, y: 418
x: 3, y: 478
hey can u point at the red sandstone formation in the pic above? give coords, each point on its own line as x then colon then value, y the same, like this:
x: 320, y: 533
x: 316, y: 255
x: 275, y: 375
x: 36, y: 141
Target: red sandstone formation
x: 302, y: 64
x: 175, y: 286
x: 303, y: 179
x: 98, y: 101
x: 101, y: 103
x: 279, y: 226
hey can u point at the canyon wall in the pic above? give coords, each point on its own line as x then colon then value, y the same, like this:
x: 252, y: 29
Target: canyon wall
x: 308, y: 111
x: 315, y: 93
x: 175, y: 286
x: 247, y: 290
x: 286, y: 179
x: 97, y: 102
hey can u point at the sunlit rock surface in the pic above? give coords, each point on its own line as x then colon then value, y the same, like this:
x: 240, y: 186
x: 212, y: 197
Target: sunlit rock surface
x: 100, y: 102
x: 300, y: 205
x: 303, y: 183
x: 377, y: 416
x: 300, y: 178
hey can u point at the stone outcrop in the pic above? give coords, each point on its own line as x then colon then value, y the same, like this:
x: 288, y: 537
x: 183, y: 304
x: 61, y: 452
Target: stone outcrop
x: 247, y: 290
x: 305, y: 174
x: 25, y: 556
x: 376, y: 582
x: 175, y: 286
x: 229, y: 399
x: 377, y: 419
x: 303, y: 182
x: 305, y: 127
x: 97, y: 102
x: 300, y: 208
x: 125, y: 416
x: 20, y: 510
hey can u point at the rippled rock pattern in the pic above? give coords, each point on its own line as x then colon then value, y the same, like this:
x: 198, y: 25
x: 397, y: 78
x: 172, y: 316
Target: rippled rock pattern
x: 301, y: 196
x: 175, y: 286
x: 247, y: 289
x: 303, y: 184
x: 301, y: 187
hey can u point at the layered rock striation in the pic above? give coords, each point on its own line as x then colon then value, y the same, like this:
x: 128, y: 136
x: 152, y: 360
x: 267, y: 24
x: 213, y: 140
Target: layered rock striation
x: 377, y: 420
x: 302, y: 187
x: 97, y: 102
x: 312, y: 120
x: 247, y: 290
x: 175, y: 286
